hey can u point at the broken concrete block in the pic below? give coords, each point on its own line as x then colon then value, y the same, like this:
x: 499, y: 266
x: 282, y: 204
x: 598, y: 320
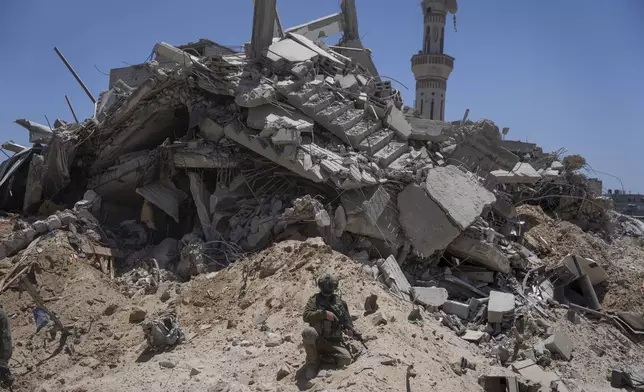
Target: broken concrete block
x: 379, y: 319
x: 573, y: 317
x: 396, y: 120
x: 588, y: 267
x: 286, y: 136
x: 394, y: 277
x: 40, y: 226
x: 533, y: 372
x: 475, y: 274
x: 457, y: 308
x: 424, y: 222
x: 523, y: 173
x: 54, y: 222
x: 433, y: 297
x: 499, y: 384
x: 67, y: 217
x: 291, y: 51
x: 500, y: 307
x: 560, y: 343
x: 339, y: 221
x: 368, y: 213
x: 480, y: 252
x: 322, y: 218
x: 473, y: 336
x: 458, y: 194
x: 211, y: 131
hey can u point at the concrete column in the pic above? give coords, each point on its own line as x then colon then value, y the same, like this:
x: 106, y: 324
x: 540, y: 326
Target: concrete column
x: 263, y: 27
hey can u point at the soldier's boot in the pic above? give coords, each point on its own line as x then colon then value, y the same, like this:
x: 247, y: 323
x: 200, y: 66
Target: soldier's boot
x: 312, y: 362
x: 6, y: 377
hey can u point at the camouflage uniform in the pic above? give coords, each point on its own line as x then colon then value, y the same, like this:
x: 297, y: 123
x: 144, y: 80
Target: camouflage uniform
x: 5, y: 348
x: 323, y: 338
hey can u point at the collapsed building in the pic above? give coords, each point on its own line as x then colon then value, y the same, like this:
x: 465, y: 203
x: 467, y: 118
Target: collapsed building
x: 203, y: 155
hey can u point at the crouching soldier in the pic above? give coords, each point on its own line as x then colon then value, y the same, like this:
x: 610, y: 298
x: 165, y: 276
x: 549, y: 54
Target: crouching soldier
x: 328, y: 316
x: 5, y: 349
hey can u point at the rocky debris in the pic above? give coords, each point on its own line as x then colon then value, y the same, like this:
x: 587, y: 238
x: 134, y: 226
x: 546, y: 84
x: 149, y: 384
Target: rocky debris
x: 167, y: 364
x: 137, y: 315
x: 500, y: 307
x: 282, y: 372
x: 559, y: 342
x: 212, y: 157
x: 371, y: 304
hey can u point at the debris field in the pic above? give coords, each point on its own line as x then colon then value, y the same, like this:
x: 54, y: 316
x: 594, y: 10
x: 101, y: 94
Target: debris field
x: 195, y: 207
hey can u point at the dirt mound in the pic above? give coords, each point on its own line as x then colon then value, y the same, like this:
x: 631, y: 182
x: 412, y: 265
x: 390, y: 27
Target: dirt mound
x: 243, y: 328
x: 623, y: 259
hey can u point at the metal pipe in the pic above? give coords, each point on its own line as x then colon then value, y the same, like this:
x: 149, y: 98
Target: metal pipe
x: 71, y: 108
x: 78, y: 79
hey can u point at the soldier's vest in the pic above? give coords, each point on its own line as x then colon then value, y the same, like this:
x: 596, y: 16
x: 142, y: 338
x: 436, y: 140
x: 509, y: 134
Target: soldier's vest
x: 331, y: 329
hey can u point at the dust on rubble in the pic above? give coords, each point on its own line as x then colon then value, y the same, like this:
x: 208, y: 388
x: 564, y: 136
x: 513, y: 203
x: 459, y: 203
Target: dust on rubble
x: 622, y: 258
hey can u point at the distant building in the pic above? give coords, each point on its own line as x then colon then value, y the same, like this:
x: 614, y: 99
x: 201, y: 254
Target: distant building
x: 431, y: 66
x: 135, y: 75
x: 627, y: 203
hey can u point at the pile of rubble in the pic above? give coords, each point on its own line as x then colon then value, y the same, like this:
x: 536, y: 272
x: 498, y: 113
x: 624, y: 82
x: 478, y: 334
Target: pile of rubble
x: 214, y: 156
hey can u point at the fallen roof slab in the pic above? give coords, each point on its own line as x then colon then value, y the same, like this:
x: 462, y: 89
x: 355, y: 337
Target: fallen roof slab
x: 458, y: 194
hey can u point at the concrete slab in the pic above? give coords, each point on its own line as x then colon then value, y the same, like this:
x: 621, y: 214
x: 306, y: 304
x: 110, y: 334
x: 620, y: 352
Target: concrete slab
x: 457, y: 308
x: 424, y: 222
x: 430, y: 296
x: 480, y: 252
x: 473, y: 336
x: 428, y: 130
x: 522, y: 173
x: 394, y: 277
x: 476, y: 274
x: 291, y: 51
x: 588, y: 267
x: 398, y: 123
x: 559, y: 342
x: 369, y: 213
x: 458, y: 194
x: 500, y: 306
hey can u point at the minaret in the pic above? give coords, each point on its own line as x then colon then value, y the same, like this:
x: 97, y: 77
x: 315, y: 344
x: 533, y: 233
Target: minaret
x: 431, y: 66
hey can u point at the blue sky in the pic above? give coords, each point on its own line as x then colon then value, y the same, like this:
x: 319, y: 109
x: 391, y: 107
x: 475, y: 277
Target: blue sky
x: 558, y: 73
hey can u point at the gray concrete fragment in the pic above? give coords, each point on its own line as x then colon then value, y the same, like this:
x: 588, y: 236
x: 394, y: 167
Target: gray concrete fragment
x: 13, y: 147
x: 500, y: 307
x: 176, y: 55
x: 38, y: 133
x: 322, y: 218
x: 473, y: 336
x: 424, y: 222
x: 369, y: 213
x: 40, y: 226
x: 34, y: 185
x: 429, y: 296
x: 480, y: 252
x: 257, y: 115
x: 326, y: 26
x: 54, y: 222
x: 202, y: 201
x: 560, y: 343
x: 457, y: 308
x: 290, y: 51
x: 67, y: 217
x: 588, y: 267
x: 396, y: 121
x: 165, y: 195
x: 211, y: 131
x: 394, y: 277
x: 287, y: 136
x: 339, y: 221
x: 522, y: 173
x: 458, y: 194
x: 428, y: 130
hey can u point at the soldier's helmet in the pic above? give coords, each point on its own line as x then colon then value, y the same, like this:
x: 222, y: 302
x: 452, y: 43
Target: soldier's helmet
x: 327, y: 284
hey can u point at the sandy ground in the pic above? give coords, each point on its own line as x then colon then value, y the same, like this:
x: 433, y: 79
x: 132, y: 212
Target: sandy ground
x: 243, y: 325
